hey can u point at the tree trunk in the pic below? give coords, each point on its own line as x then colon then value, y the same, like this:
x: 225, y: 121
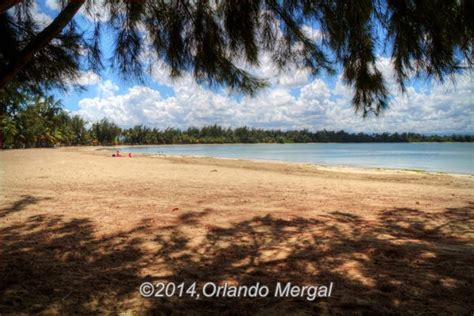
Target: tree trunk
x: 39, y: 42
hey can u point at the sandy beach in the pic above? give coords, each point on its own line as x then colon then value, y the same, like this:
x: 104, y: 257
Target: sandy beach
x: 80, y: 231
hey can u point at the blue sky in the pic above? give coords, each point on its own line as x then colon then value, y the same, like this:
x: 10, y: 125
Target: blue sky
x: 294, y: 99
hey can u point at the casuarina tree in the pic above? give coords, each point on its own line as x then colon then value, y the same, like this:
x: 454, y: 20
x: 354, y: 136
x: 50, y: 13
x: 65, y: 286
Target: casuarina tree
x: 218, y: 41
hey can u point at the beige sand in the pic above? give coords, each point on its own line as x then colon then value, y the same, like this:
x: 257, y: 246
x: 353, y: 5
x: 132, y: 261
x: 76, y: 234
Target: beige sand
x: 81, y: 230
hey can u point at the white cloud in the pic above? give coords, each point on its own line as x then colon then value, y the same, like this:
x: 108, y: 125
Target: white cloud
x: 316, y: 90
x: 312, y: 33
x: 53, y: 4
x: 96, y: 11
x: 93, y: 11
x: 87, y: 78
x: 107, y: 89
x: 290, y: 77
x: 438, y: 108
x: 41, y: 18
x: 426, y: 107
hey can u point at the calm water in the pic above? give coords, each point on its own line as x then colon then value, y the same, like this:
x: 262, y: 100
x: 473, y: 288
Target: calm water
x: 443, y: 157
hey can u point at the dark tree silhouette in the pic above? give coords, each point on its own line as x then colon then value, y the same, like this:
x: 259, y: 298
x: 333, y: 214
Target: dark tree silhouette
x: 212, y: 38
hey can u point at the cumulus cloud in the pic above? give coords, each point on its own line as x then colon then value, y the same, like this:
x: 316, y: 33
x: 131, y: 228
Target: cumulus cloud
x: 312, y: 33
x: 107, y: 89
x: 39, y: 17
x: 425, y: 107
x: 93, y: 13
x: 53, y: 4
x: 87, y: 78
x: 434, y: 107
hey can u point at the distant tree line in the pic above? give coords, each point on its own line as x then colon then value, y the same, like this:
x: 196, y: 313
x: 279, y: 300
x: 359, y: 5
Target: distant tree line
x: 42, y: 122
x: 215, y: 134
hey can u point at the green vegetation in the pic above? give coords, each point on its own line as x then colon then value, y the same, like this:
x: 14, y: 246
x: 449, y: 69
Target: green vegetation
x: 34, y: 120
x: 39, y: 121
x: 218, y: 135
x: 218, y: 41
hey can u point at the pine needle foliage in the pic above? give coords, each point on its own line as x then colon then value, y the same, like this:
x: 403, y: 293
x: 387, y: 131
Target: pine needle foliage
x: 218, y: 41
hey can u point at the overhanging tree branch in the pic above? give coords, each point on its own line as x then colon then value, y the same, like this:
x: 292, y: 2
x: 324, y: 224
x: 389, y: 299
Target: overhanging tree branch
x: 39, y: 42
x: 7, y: 4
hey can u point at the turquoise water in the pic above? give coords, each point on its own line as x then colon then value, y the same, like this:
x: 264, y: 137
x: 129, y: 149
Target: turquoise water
x: 439, y: 157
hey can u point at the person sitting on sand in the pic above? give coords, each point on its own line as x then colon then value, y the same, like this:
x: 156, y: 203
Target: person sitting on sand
x: 130, y: 155
x: 118, y: 154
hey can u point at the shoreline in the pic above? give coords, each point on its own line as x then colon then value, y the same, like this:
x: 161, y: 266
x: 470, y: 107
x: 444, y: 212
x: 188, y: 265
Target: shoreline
x: 338, y: 167
x: 101, y: 226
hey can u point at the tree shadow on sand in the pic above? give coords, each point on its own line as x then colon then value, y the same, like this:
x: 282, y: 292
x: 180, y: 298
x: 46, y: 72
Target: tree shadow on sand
x: 20, y: 205
x: 405, y: 261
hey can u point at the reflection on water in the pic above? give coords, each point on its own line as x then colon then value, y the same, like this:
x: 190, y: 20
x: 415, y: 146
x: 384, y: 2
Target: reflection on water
x: 443, y: 157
